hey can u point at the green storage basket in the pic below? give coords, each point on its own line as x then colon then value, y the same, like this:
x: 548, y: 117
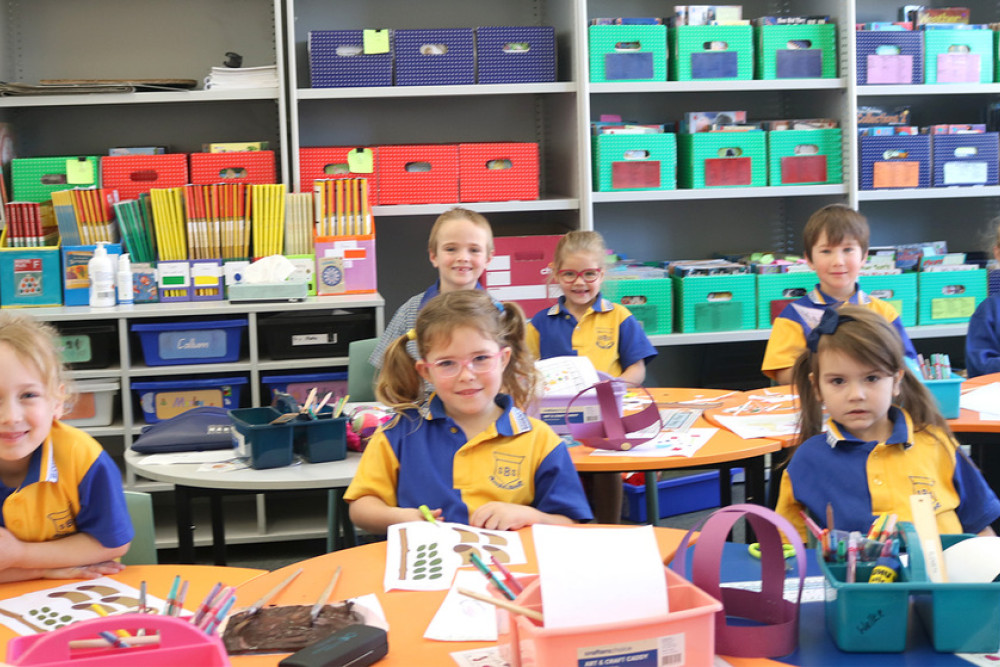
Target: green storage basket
x: 938, y: 42
x: 635, y: 162
x: 775, y: 60
x: 34, y: 179
x: 950, y: 297
x: 627, y: 53
x: 690, y: 60
x: 715, y: 303
x: 805, y: 157
x: 722, y: 159
x: 777, y: 290
x: 900, y: 291
x: 650, y: 300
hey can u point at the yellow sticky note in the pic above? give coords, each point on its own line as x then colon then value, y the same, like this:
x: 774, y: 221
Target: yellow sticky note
x: 376, y: 41
x: 79, y: 171
x: 361, y: 161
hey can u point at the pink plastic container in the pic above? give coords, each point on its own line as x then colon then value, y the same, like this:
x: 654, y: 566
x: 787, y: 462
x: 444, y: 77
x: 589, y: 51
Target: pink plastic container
x: 180, y: 644
x: 687, y: 632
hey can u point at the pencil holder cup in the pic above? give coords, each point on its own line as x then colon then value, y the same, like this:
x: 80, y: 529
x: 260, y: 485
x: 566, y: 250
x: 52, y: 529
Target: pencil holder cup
x: 181, y: 643
x: 322, y: 439
x: 267, y: 445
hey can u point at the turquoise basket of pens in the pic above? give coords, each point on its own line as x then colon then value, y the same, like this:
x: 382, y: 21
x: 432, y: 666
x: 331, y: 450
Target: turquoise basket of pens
x: 871, y: 615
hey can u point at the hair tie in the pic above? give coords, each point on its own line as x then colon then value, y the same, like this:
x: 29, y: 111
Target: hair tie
x: 827, y: 326
x: 411, y: 334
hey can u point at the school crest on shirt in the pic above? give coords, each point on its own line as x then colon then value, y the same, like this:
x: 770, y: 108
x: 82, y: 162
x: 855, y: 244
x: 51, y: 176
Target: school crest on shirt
x: 605, y: 339
x: 63, y: 522
x: 507, y: 471
x: 924, y: 486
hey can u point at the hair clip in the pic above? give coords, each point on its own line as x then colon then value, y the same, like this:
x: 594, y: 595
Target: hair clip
x: 827, y: 325
x: 411, y: 334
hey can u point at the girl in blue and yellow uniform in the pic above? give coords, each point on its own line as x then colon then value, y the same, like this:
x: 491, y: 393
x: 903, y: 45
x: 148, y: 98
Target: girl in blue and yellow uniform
x: 885, y: 439
x: 64, y: 514
x: 469, y: 453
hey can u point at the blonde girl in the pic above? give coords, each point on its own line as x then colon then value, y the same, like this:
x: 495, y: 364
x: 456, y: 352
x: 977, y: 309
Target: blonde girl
x: 63, y: 513
x: 469, y: 453
x: 885, y: 439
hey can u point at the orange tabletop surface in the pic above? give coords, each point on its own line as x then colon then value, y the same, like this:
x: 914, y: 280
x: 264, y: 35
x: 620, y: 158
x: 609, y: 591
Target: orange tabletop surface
x: 969, y: 421
x: 745, y: 400
x: 724, y: 447
x: 158, y: 578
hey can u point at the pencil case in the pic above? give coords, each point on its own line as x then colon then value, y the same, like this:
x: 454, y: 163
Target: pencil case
x: 181, y: 643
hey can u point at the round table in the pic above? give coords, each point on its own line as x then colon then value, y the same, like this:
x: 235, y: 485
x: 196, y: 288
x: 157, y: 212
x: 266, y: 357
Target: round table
x: 189, y: 481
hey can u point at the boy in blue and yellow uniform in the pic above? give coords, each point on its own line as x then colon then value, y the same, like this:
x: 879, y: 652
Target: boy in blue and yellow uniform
x: 64, y: 513
x: 835, y: 240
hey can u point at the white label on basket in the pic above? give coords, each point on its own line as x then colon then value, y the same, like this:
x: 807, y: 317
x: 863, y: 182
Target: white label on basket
x: 314, y: 339
x: 672, y: 650
x: 639, y: 653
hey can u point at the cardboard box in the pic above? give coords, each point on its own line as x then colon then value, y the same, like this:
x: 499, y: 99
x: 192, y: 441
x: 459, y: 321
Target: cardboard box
x: 965, y: 159
x: 958, y: 56
x: 715, y: 303
x: 30, y: 276
x: 442, y: 57
x: 722, y: 159
x: 515, y: 54
x: 75, y: 275
x: 337, y: 59
x: 805, y: 157
x: 950, y: 297
x: 796, y: 51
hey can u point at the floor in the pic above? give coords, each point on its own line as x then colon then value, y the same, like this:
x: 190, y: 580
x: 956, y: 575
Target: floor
x: 274, y: 555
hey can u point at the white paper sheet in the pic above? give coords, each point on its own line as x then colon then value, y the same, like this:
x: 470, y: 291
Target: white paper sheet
x: 984, y: 400
x: 210, y: 456
x: 480, y: 657
x: 461, y: 618
x: 422, y: 556
x: 667, y: 443
x: 566, y: 376
x: 764, y: 425
x: 585, y: 570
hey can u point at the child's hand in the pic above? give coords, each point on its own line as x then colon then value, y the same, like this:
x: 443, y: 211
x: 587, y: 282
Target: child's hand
x: 92, y: 571
x: 504, y: 516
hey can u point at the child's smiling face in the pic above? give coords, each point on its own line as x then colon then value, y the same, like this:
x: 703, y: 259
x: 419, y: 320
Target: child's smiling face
x: 27, y: 408
x: 463, y: 250
x: 836, y: 265
x: 580, y: 294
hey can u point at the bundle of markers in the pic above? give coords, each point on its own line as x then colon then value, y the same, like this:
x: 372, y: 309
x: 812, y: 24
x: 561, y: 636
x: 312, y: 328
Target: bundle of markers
x: 879, y: 547
x: 938, y: 367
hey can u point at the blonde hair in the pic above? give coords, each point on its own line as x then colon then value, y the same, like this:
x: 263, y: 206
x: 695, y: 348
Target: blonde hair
x: 36, y: 343
x: 838, y: 222
x: 579, y: 242
x: 871, y: 340
x: 459, y: 213
x: 399, y: 384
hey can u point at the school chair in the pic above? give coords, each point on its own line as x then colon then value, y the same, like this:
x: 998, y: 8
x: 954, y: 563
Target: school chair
x: 142, y: 551
x: 360, y: 373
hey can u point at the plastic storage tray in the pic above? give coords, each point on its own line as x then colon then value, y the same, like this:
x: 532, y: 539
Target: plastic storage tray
x: 320, y: 440
x: 650, y: 300
x: 627, y: 53
x: 34, y: 179
x: 87, y: 346
x: 903, y: 68
x: 722, y: 159
x: 267, y: 445
x: 804, y: 157
x: 299, y: 385
x: 207, y: 342
x: 715, y: 303
x: 899, y: 161
x: 94, y: 404
x: 498, y: 62
x: 694, y: 55
x: 299, y: 335
x: 778, y: 59
x: 965, y: 159
x: 899, y: 289
x: 948, y: 394
x: 436, y: 57
x: 635, y: 162
x: 958, y: 56
x: 690, y: 625
x: 337, y: 59
x: 166, y: 399
x: 950, y: 297
x: 777, y: 290
x: 678, y: 495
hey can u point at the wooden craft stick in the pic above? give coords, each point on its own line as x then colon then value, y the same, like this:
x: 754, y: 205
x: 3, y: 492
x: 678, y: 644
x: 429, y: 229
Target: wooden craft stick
x: 256, y: 606
x: 318, y: 607
x: 924, y: 520
x: 503, y: 604
x: 145, y: 640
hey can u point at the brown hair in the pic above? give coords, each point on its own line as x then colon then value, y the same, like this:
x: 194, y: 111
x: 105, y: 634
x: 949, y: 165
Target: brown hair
x: 459, y: 213
x: 838, y: 222
x: 399, y: 384
x: 577, y: 242
x: 871, y: 340
x: 35, y: 343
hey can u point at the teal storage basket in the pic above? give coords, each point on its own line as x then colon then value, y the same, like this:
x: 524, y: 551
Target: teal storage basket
x: 30, y: 276
x: 947, y: 393
x: 627, y: 53
x: 899, y: 290
x: 940, y: 66
x: 635, y: 162
x: 950, y: 297
x: 34, y: 179
x: 266, y: 445
x: 776, y: 60
x: 777, y: 290
x: 650, y: 300
x: 722, y: 159
x: 693, y: 58
x: 805, y: 157
x: 320, y: 440
x: 715, y: 303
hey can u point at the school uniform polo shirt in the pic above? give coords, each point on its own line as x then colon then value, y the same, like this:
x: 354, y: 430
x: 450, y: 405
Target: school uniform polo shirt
x: 608, y: 335
x: 517, y: 460
x: 862, y: 479
x: 788, y: 334
x: 72, y: 486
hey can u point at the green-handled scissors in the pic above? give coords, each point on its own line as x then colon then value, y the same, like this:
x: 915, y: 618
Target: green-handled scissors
x: 787, y: 550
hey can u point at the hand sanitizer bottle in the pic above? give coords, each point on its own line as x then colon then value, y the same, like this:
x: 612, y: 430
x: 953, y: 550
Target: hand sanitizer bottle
x: 124, y: 281
x: 102, y: 278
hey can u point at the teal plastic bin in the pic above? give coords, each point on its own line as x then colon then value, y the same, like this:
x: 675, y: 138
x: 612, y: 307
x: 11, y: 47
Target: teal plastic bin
x: 266, y: 445
x: 320, y: 440
x: 947, y: 393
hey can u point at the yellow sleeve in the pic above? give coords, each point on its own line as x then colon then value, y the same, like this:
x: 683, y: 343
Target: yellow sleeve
x: 789, y: 508
x: 532, y: 339
x: 783, y: 347
x: 378, y: 472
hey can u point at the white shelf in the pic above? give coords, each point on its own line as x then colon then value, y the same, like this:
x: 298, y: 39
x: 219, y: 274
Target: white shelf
x: 971, y: 192
x: 931, y: 89
x: 770, y: 85
x: 394, y: 92
x: 91, y: 373
x: 145, y: 373
x: 721, y: 193
x: 147, y: 97
x: 742, y: 335
x: 543, y: 204
x: 280, y: 365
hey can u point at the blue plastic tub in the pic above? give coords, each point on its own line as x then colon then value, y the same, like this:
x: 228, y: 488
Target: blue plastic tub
x: 166, y: 399
x: 299, y: 385
x: 266, y: 445
x: 948, y: 394
x: 678, y: 495
x: 208, y: 342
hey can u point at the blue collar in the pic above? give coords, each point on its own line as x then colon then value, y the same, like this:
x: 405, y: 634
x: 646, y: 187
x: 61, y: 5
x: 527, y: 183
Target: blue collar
x: 512, y: 422
x: 601, y: 305
x: 821, y: 298
x: 902, y: 427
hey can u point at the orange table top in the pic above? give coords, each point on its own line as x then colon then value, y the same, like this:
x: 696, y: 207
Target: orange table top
x: 408, y: 612
x: 724, y: 447
x: 969, y: 421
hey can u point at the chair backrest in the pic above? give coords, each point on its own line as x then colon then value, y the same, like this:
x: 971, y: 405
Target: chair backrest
x: 143, y: 548
x: 360, y: 373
